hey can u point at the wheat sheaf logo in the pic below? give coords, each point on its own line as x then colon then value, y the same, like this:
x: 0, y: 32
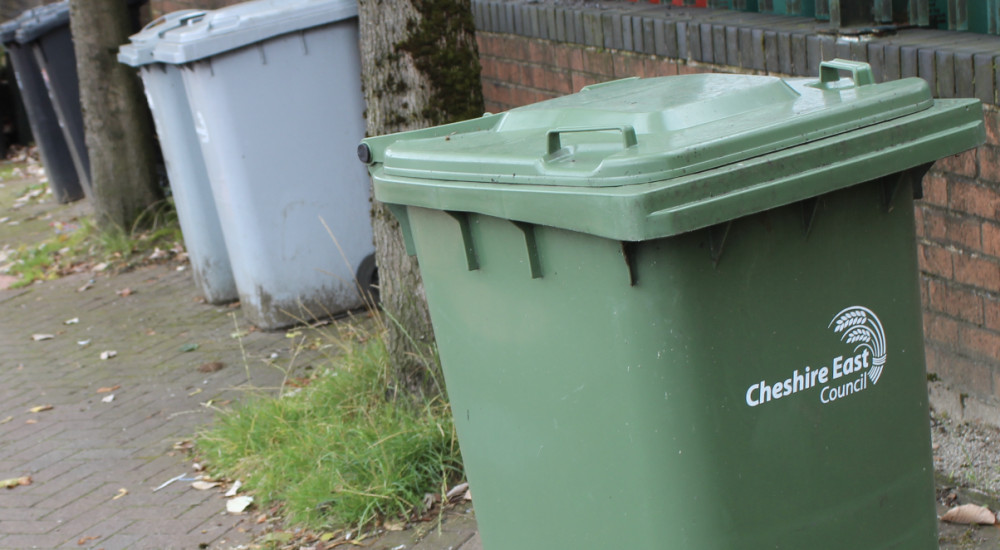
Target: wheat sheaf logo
x: 860, y: 326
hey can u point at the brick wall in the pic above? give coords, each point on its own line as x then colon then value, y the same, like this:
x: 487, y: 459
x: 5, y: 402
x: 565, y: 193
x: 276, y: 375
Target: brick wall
x: 539, y: 55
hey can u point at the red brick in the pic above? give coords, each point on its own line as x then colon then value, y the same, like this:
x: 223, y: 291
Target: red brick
x: 935, y: 225
x: 582, y: 79
x: 992, y: 119
x: 935, y: 189
x: 979, y: 342
x: 656, y: 66
x: 964, y: 231
x: 976, y: 271
x: 687, y: 68
x: 568, y: 57
x: 989, y: 163
x: 957, y: 370
x: 991, y: 313
x: 598, y: 62
x: 991, y: 238
x: 541, y: 51
x: 559, y: 82
x: 955, y: 302
x: 962, y: 164
x: 968, y: 197
x: 940, y: 329
x: 934, y: 260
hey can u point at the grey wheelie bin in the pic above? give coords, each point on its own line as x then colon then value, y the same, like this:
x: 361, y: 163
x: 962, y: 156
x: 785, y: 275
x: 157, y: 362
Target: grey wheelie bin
x: 275, y: 94
x: 684, y: 312
x: 52, y: 146
x: 182, y: 154
x: 46, y: 34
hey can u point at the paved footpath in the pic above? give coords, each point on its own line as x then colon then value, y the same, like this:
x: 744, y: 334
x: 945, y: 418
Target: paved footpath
x: 95, y: 454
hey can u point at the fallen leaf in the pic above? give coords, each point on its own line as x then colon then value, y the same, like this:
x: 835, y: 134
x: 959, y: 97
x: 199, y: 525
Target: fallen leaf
x: 189, y: 347
x: 6, y: 281
x: 6, y: 420
x: 211, y: 367
x: 100, y: 267
x: 457, y: 490
x: 86, y: 286
x: 85, y: 540
x: 15, y: 482
x: 109, y: 389
x: 40, y: 337
x: 237, y: 505
x: 125, y: 292
x: 72, y: 321
x: 394, y: 525
x: 83, y: 342
x: 105, y: 355
x: 40, y: 408
x: 204, y: 485
x: 31, y: 421
x: 236, y: 487
x: 970, y: 514
x: 121, y: 492
x: 108, y: 398
x: 195, y: 392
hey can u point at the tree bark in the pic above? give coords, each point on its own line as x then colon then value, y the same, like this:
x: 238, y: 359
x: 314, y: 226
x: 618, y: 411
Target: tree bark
x: 420, y: 68
x: 117, y: 123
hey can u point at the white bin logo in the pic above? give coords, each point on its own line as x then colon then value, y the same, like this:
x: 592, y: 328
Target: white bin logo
x: 860, y: 326
x: 837, y: 377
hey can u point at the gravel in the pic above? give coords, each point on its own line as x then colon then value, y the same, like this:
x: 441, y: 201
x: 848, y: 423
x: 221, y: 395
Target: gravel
x: 967, y: 454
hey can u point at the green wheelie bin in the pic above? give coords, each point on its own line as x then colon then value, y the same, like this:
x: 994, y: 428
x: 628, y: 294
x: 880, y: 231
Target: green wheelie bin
x: 684, y: 312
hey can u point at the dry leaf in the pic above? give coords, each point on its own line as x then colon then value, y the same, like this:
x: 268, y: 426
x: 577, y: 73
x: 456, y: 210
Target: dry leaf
x: 73, y: 321
x: 204, y: 485
x: 40, y: 408
x: 85, y: 540
x: 970, y: 514
x: 108, y: 398
x: 121, y: 492
x: 15, y: 482
x: 109, y: 389
x: 457, y: 490
x: 211, y: 367
x: 6, y: 420
x: 237, y: 505
x: 40, y: 337
x: 125, y: 292
x: 6, y: 281
x: 105, y: 355
x: 236, y: 487
x: 395, y: 525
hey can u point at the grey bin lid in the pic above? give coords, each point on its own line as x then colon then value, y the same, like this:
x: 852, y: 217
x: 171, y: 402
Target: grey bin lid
x: 8, y: 30
x: 140, y: 49
x: 40, y: 21
x: 248, y: 23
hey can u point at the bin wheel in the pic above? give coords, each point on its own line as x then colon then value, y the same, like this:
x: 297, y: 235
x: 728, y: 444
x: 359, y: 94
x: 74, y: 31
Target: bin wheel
x: 368, y: 280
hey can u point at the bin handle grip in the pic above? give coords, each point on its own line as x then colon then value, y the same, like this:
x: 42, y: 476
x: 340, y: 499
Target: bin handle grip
x: 178, y: 18
x: 554, y: 143
x: 861, y: 73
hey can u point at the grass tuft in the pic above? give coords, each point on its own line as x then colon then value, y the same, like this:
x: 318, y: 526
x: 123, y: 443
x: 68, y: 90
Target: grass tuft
x: 338, y: 453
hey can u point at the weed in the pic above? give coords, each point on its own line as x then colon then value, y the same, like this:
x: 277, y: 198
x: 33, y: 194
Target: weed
x: 338, y: 452
x: 79, y: 245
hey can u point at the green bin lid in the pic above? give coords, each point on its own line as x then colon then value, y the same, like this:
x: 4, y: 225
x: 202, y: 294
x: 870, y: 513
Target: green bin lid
x: 643, y: 158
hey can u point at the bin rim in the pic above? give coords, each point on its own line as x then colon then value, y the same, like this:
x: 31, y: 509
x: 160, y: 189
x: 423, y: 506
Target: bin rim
x: 245, y: 24
x: 139, y: 50
x: 671, y: 207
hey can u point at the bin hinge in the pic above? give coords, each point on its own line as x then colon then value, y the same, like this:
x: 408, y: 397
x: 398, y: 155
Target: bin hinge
x: 629, y: 250
x: 532, y: 247
x: 470, y: 250
x: 403, y: 217
x: 717, y: 235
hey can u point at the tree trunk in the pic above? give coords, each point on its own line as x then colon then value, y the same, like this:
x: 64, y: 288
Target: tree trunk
x: 420, y: 68
x: 117, y: 123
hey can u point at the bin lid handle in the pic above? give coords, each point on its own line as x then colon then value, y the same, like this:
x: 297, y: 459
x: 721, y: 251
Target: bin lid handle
x: 861, y: 73
x: 554, y: 143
